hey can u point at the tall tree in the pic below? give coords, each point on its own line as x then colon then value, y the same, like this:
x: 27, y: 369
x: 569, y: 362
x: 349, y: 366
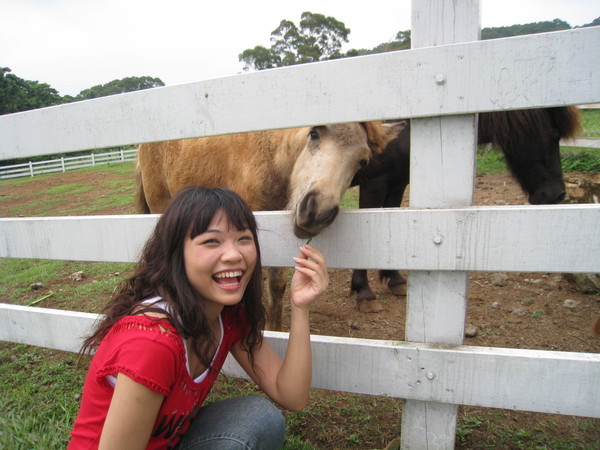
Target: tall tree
x: 317, y: 38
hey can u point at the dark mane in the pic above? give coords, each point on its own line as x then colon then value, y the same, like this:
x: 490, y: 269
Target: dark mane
x: 507, y: 128
x: 568, y: 121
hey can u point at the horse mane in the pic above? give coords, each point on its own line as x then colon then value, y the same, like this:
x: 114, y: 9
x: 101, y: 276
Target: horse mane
x: 507, y: 128
x: 380, y: 133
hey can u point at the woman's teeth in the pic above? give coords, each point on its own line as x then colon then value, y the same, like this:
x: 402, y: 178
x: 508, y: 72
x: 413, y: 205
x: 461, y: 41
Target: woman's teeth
x: 228, y: 278
x: 234, y: 274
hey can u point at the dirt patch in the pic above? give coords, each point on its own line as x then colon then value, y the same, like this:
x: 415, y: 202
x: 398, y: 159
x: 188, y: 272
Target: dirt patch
x: 515, y: 310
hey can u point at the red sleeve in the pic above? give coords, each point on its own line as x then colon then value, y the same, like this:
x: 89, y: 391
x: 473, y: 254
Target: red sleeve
x: 143, y: 350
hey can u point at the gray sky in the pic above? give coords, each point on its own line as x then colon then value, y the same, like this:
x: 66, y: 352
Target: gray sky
x: 76, y: 44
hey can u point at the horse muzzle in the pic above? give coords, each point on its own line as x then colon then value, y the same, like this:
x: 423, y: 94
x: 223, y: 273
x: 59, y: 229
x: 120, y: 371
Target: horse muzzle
x: 313, y: 215
x: 548, y: 194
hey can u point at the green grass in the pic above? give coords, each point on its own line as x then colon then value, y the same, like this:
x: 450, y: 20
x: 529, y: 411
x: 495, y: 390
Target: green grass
x: 68, y: 189
x: 574, y: 159
x: 350, y: 199
x: 119, y: 168
x: 489, y: 161
x: 590, y: 122
x: 45, y: 202
x: 39, y: 397
x: 88, y: 295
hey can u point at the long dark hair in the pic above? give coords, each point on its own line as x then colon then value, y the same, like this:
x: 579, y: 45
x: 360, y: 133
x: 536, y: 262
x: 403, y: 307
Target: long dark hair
x: 161, y: 272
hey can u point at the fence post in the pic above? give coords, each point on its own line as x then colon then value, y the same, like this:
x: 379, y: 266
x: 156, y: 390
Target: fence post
x: 93, y: 160
x: 30, y: 168
x: 62, y: 163
x: 442, y: 170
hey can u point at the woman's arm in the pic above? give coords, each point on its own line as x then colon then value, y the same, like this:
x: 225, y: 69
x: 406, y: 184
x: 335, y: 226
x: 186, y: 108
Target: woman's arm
x: 131, y: 415
x: 288, y: 382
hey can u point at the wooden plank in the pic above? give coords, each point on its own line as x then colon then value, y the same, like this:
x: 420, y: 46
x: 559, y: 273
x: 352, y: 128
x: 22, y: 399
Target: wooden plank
x: 442, y: 167
x: 479, y: 376
x: 45, y: 327
x: 527, y: 71
x: 79, y: 238
x: 472, y: 238
x: 442, y: 164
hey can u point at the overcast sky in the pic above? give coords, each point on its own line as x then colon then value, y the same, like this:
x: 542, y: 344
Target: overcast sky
x: 75, y: 44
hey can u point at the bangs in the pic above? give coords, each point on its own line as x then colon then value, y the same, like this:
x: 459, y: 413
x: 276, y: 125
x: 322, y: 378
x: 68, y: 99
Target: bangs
x: 238, y: 214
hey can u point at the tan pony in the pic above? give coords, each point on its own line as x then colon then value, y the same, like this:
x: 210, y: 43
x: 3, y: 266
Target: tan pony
x: 304, y: 170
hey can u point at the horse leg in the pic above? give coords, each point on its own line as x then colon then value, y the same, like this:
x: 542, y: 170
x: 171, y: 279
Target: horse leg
x: 396, y: 282
x: 366, y: 301
x: 277, y: 277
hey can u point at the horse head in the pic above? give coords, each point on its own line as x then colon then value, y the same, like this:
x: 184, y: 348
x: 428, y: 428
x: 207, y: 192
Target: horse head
x: 530, y: 141
x: 331, y: 156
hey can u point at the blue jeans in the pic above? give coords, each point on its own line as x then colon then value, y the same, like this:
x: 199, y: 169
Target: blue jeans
x: 236, y: 423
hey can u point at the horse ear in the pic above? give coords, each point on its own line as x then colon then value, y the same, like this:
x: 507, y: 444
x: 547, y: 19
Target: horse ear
x: 380, y: 134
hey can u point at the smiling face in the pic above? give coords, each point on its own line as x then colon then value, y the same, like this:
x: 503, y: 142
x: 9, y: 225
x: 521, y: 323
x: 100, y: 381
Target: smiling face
x: 219, y: 262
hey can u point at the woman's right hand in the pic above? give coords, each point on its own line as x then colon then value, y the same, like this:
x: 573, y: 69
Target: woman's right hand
x: 310, y: 276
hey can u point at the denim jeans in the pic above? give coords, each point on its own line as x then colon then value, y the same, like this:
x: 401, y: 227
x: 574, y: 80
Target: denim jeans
x: 236, y: 423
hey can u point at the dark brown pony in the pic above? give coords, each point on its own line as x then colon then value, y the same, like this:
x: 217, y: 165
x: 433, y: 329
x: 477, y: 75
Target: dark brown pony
x: 529, y: 140
x: 304, y: 170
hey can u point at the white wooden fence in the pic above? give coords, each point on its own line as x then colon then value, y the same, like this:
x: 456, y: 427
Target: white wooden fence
x: 31, y: 168
x: 441, y: 83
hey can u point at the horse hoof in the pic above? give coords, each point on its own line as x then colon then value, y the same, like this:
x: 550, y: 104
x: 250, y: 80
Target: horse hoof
x: 370, y: 306
x: 364, y: 295
x: 399, y: 290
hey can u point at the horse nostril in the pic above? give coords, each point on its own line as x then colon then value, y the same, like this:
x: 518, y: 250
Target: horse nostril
x: 313, y: 214
x: 308, y: 206
x: 547, y: 196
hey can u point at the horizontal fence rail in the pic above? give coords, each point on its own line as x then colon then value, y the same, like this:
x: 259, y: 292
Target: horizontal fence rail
x: 65, y: 163
x: 464, y: 239
x: 499, y: 74
x: 477, y: 376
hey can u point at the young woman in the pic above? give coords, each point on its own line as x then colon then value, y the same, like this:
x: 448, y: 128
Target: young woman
x: 195, y: 296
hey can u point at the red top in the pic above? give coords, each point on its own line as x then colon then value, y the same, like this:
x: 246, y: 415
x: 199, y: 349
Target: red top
x: 152, y: 353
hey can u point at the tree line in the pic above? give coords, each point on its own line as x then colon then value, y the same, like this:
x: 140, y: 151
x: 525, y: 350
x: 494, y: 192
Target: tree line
x: 18, y: 94
x: 320, y: 38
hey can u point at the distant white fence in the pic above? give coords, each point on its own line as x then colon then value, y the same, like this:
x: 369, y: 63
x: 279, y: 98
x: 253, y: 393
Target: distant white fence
x: 63, y: 164
x: 441, y: 84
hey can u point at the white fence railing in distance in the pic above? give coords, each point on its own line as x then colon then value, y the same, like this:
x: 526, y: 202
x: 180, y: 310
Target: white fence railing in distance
x: 65, y: 163
x: 530, y: 71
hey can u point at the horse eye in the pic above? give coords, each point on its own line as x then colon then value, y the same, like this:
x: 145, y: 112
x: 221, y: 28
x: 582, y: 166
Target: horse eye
x: 363, y: 163
x: 313, y: 134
